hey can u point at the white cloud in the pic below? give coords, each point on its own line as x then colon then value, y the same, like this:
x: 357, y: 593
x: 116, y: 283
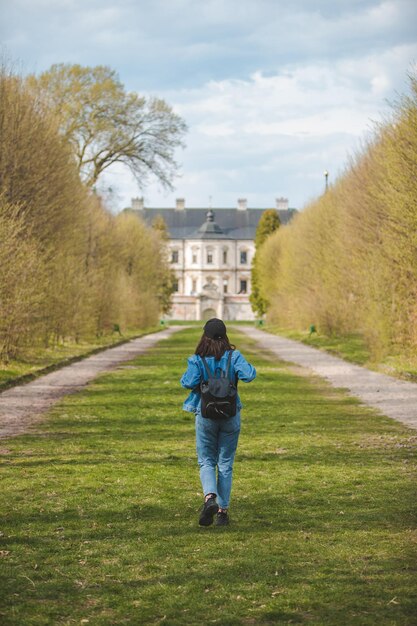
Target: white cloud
x: 269, y: 132
x: 313, y: 99
x: 273, y: 92
x: 215, y: 130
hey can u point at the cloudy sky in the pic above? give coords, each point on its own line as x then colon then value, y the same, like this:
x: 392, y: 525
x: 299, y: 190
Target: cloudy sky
x: 274, y: 91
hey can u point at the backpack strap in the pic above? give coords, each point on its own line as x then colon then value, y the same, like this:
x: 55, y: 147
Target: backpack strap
x: 229, y: 365
x: 206, y: 367
x: 226, y: 373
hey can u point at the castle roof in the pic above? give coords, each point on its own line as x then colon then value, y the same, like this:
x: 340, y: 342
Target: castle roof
x: 209, y: 229
x: 228, y: 223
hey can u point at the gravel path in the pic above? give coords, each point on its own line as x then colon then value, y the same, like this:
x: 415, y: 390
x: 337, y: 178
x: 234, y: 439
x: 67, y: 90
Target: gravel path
x: 22, y: 406
x: 392, y: 397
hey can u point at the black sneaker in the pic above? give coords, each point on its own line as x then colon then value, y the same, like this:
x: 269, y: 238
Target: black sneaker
x: 210, y: 509
x: 222, y: 518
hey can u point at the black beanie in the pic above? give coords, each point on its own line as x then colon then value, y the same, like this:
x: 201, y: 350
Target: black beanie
x: 215, y: 329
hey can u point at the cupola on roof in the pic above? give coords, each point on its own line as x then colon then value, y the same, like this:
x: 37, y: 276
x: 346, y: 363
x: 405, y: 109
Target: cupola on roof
x: 210, y: 228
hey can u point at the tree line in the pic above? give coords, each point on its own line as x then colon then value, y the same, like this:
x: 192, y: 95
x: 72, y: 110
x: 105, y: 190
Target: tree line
x: 348, y: 262
x: 69, y: 268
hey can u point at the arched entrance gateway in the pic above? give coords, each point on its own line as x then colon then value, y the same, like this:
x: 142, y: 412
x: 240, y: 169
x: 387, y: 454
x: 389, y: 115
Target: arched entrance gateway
x: 208, y: 314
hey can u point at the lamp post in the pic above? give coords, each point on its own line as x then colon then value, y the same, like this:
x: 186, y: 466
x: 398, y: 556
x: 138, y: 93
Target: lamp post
x: 326, y: 179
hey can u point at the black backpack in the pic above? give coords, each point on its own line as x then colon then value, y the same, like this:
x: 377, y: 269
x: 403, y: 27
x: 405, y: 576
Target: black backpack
x: 218, y: 392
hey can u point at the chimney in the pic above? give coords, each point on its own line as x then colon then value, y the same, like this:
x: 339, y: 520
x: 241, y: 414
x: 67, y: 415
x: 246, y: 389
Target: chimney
x: 242, y: 204
x: 180, y: 206
x: 282, y: 204
x: 137, y: 204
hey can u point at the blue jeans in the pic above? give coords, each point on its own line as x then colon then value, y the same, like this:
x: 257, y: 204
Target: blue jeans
x: 216, y: 447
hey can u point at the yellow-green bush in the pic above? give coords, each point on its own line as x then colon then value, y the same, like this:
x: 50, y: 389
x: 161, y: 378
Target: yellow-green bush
x: 348, y: 262
x: 68, y: 267
x: 21, y: 271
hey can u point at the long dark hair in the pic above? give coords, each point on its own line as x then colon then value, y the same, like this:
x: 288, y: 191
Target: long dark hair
x: 213, y: 347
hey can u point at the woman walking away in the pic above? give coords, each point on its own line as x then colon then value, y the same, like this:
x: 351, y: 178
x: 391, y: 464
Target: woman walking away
x: 212, y: 374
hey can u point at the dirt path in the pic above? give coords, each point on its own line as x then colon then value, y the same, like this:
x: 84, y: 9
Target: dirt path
x: 392, y: 397
x: 22, y: 406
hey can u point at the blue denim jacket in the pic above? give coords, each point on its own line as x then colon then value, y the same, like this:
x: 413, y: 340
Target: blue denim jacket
x: 195, y: 373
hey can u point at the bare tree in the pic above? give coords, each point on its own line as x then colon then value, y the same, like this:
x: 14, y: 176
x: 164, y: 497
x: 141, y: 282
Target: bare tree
x: 106, y: 125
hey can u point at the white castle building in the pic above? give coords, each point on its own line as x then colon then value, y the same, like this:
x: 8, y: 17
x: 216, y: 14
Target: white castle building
x: 211, y: 254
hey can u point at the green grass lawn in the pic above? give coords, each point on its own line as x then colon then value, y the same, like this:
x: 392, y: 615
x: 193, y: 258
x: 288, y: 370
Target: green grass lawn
x: 99, y: 510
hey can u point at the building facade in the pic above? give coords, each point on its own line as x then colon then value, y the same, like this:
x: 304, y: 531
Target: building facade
x: 211, y: 254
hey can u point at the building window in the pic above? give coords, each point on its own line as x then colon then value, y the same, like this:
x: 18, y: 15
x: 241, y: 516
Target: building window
x: 225, y: 286
x: 243, y: 286
x: 175, y: 285
x: 243, y: 257
x: 224, y: 257
x: 194, y: 286
x: 194, y: 258
x: 209, y: 257
x: 174, y: 256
